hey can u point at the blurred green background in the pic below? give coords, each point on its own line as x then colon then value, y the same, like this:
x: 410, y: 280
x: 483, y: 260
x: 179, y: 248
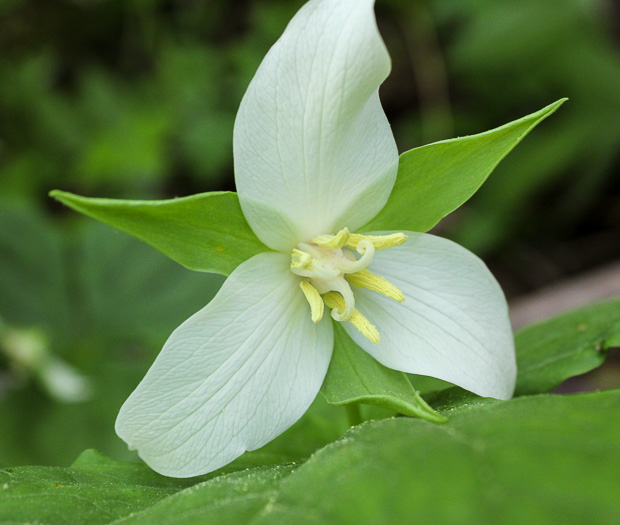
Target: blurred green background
x: 137, y: 99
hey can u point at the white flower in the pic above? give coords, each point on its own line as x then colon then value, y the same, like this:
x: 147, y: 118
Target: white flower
x: 315, y: 159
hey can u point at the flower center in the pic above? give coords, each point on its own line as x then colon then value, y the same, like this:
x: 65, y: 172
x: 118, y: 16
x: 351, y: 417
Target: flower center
x: 330, y: 264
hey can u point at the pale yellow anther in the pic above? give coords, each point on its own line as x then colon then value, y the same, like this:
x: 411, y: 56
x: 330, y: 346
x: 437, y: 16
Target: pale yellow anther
x: 300, y: 260
x: 379, y: 241
x: 314, y: 300
x: 366, y: 279
x: 368, y: 330
x: 333, y: 241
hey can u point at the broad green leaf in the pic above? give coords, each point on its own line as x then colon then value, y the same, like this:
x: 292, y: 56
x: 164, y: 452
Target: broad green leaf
x: 436, y: 179
x: 355, y: 377
x: 97, y: 490
x: 554, y: 452
x: 205, y: 232
x: 94, y: 490
x: 565, y: 346
x: 235, y: 498
x: 542, y: 459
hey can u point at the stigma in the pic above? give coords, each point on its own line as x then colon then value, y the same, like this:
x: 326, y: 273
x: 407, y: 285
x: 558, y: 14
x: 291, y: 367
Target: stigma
x: 330, y: 264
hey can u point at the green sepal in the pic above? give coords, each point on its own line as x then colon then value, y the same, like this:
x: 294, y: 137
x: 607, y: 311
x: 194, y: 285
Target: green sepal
x: 434, y: 180
x: 356, y: 377
x: 205, y: 232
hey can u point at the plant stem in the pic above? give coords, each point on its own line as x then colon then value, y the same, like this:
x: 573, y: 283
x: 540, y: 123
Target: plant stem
x: 355, y: 414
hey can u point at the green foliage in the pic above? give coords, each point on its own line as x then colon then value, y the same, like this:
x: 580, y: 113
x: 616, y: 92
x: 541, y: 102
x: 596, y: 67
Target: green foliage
x: 381, y: 472
x: 553, y: 185
x: 436, y: 179
x: 467, y: 471
x: 566, y: 346
x: 32, y: 272
x: 206, y: 232
x: 355, y: 377
x: 97, y: 307
x: 94, y: 490
x: 252, y: 491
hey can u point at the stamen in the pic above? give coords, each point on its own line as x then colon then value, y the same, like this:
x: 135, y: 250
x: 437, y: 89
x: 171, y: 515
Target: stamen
x: 369, y: 331
x: 314, y: 300
x: 333, y: 241
x: 379, y: 241
x: 329, y: 267
x: 366, y: 279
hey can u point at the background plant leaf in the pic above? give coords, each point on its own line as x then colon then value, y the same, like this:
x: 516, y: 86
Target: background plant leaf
x: 32, y: 273
x: 129, y: 290
x: 568, y: 345
x: 356, y: 377
x: 205, y: 232
x: 436, y: 179
x: 102, y: 302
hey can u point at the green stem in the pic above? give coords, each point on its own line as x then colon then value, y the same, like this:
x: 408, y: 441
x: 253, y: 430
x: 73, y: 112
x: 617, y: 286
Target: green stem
x: 355, y: 414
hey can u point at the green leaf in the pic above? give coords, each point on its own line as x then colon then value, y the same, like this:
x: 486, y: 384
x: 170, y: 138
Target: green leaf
x: 436, y: 179
x: 235, y: 498
x: 568, y: 345
x: 553, y: 452
x: 97, y: 489
x: 205, y: 232
x: 356, y: 377
x: 94, y: 490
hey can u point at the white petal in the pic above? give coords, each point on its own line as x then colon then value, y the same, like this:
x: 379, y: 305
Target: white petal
x: 313, y: 149
x: 233, y: 376
x: 453, y: 324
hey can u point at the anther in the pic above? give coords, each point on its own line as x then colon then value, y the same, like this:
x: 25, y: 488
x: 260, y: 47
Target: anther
x: 369, y: 331
x: 379, y: 241
x: 333, y: 241
x: 314, y: 300
x: 366, y: 279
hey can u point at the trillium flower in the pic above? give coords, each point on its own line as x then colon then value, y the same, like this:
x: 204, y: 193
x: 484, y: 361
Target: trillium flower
x: 315, y: 160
